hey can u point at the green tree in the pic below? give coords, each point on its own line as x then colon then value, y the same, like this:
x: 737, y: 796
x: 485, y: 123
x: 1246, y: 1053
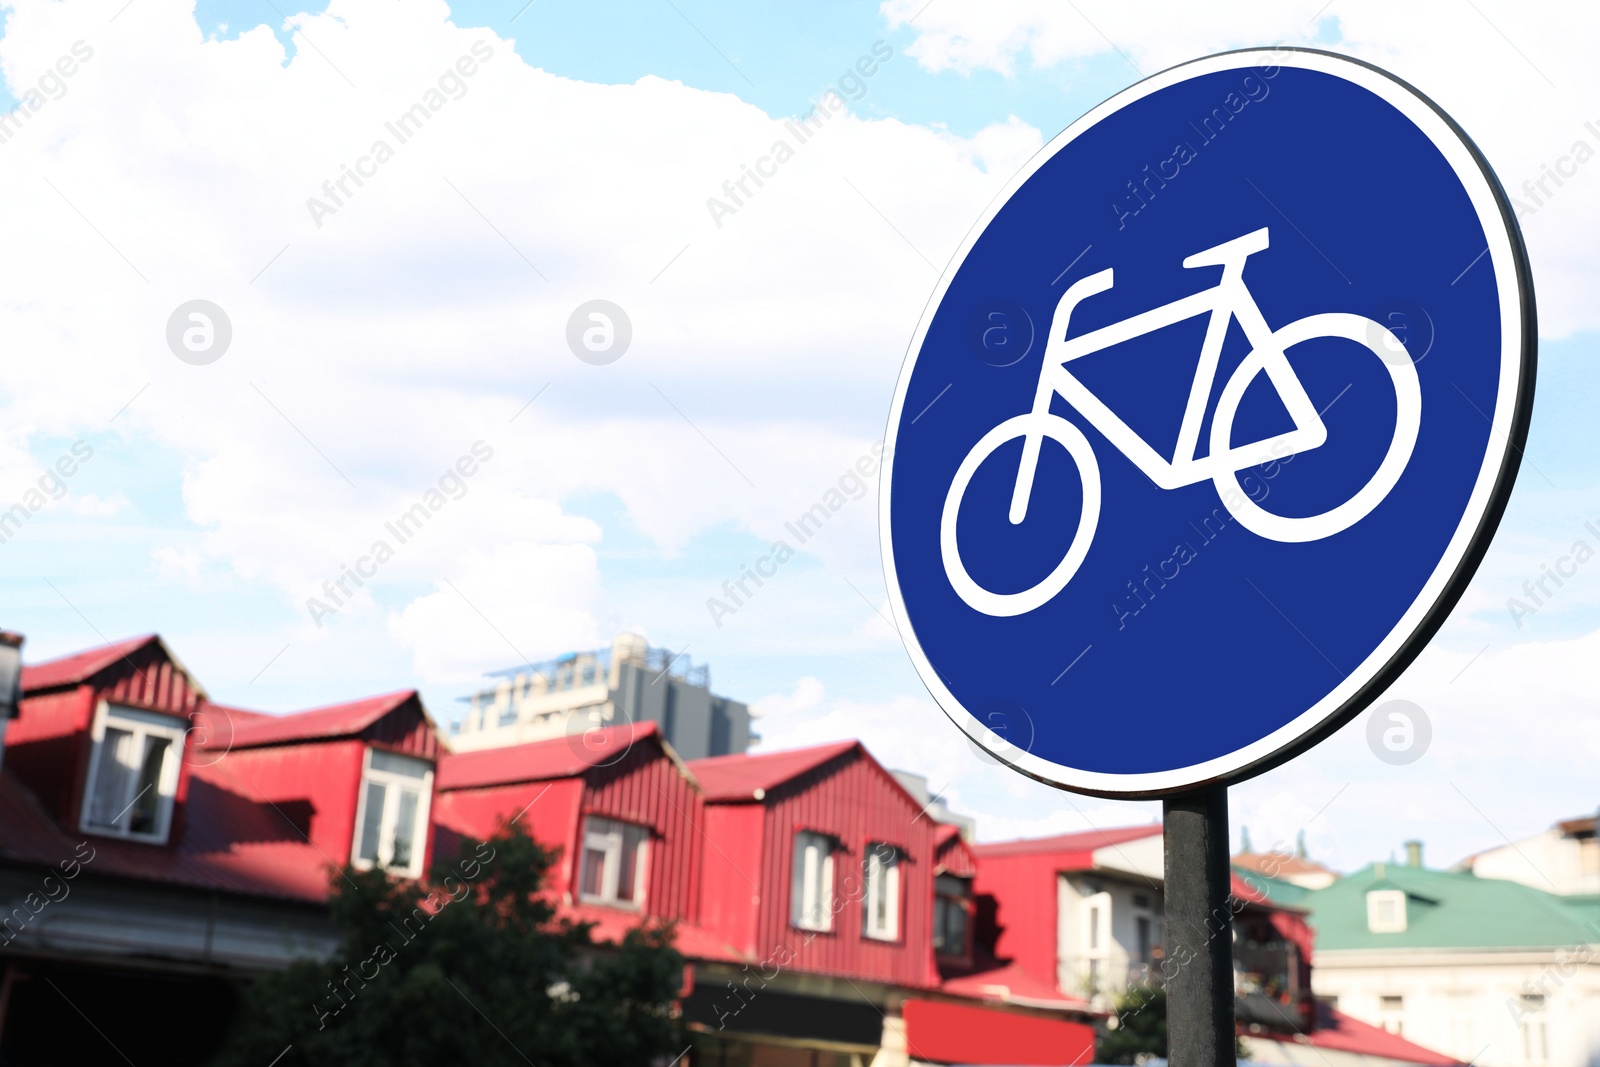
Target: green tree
x: 1138, y: 1030
x: 470, y: 965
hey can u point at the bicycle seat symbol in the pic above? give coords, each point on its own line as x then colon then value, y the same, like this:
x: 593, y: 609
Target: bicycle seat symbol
x: 1229, y: 300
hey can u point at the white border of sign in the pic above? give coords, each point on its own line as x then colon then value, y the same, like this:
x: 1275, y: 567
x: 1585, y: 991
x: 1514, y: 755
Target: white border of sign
x: 1466, y: 546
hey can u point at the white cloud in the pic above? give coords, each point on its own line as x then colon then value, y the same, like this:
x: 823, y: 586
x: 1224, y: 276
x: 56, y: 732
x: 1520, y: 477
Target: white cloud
x: 911, y: 733
x: 374, y: 345
x: 1519, y: 79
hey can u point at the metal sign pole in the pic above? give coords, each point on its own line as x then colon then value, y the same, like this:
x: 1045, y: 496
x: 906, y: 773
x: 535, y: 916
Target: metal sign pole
x: 1199, y: 936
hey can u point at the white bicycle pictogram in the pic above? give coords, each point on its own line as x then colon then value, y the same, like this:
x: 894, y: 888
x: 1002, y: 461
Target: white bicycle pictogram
x: 1230, y: 299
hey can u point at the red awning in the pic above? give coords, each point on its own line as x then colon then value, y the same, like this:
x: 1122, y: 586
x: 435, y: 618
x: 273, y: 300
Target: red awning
x: 961, y: 1033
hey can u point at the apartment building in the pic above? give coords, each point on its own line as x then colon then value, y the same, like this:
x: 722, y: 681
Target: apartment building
x: 630, y: 682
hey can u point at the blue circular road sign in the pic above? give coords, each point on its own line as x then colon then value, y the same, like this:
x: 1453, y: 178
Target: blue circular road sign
x: 1208, y: 423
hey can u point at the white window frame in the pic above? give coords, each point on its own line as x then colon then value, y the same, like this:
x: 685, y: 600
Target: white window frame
x: 141, y: 724
x: 1392, y: 1013
x: 1533, y: 1028
x: 812, y: 908
x: 881, y: 864
x: 608, y: 840
x: 392, y: 783
x: 1376, y: 922
x: 1094, y: 944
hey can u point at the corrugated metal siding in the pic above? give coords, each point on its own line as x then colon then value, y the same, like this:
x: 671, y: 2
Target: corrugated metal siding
x: 1023, y: 888
x: 548, y: 810
x: 731, y: 891
x: 855, y: 801
x: 148, y: 679
x: 955, y: 857
x: 647, y: 788
x: 47, y: 749
x: 319, y: 781
x: 407, y: 730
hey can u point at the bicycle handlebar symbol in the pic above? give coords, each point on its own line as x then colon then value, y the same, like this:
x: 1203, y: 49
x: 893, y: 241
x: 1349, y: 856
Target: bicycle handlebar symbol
x: 1229, y: 300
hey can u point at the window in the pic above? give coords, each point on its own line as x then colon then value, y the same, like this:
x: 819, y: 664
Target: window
x: 1391, y: 1013
x: 1386, y: 911
x: 393, y: 812
x: 952, y: 904
x: 1531, y: 1021
x: 880, y: 917
x: 811, y: 902
x: 133, y: 773
x: 1461, y: 1020
x: 613, y: 862
x: 1095, y: 939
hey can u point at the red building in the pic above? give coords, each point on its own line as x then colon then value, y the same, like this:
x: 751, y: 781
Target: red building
x: 826, y: 917
x: 803, y: 889
x: 1083, y: 912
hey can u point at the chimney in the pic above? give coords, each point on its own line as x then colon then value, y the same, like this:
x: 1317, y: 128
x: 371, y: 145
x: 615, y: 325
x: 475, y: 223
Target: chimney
x: 1244, y: 839
x: 1300, y: 845
x: 1414, y: 854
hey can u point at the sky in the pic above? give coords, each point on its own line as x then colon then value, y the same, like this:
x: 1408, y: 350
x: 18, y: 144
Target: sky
x: 391, y: 336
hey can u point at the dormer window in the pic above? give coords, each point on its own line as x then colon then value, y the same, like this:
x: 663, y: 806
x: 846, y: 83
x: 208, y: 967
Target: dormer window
x: 613, y: 862
x: 880, y: 874
x: 1386, y: 911
x: 952, y: 911
x: 392, y: 820
x: 133, y: 774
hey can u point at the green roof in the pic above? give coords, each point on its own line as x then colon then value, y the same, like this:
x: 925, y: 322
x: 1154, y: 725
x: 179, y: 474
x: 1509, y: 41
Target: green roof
x: 1450, y: 910
x: 1275, y: 889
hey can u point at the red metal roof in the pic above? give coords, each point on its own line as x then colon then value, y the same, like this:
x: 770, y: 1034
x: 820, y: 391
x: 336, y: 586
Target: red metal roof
x: 560, y: 757
x: 1084, y: 842
x: 80, y: 666
x: 952, y: 854
x: 737, y: 777
x: 1009, y: 983
x: 232, y: 844
x: 1338, y: 1032
x: 251, y: 729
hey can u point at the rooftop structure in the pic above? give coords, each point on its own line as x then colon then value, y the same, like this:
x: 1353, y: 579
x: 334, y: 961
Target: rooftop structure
x: 628, y: 683
x: 1487, y: 970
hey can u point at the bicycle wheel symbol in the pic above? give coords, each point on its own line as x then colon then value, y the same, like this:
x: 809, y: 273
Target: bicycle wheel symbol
x: 1229, y: 299
x: 1077, y: 445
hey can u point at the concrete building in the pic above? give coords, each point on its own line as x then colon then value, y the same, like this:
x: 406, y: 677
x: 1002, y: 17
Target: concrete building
x: 1488, y: 970
x: 579, y: 692
x: 1564, y: 859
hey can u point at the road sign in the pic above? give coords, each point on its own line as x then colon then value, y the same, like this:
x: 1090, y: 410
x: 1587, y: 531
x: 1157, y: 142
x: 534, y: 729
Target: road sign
x: 1208, y: 423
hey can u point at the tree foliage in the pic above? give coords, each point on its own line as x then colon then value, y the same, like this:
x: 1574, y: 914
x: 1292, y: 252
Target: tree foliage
x: 470, y: 965
x: 1141, y: 1027
x: 1138, y: 1030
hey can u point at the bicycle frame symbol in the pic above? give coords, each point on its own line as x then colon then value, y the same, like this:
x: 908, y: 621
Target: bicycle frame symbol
x: 1229, y: 300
